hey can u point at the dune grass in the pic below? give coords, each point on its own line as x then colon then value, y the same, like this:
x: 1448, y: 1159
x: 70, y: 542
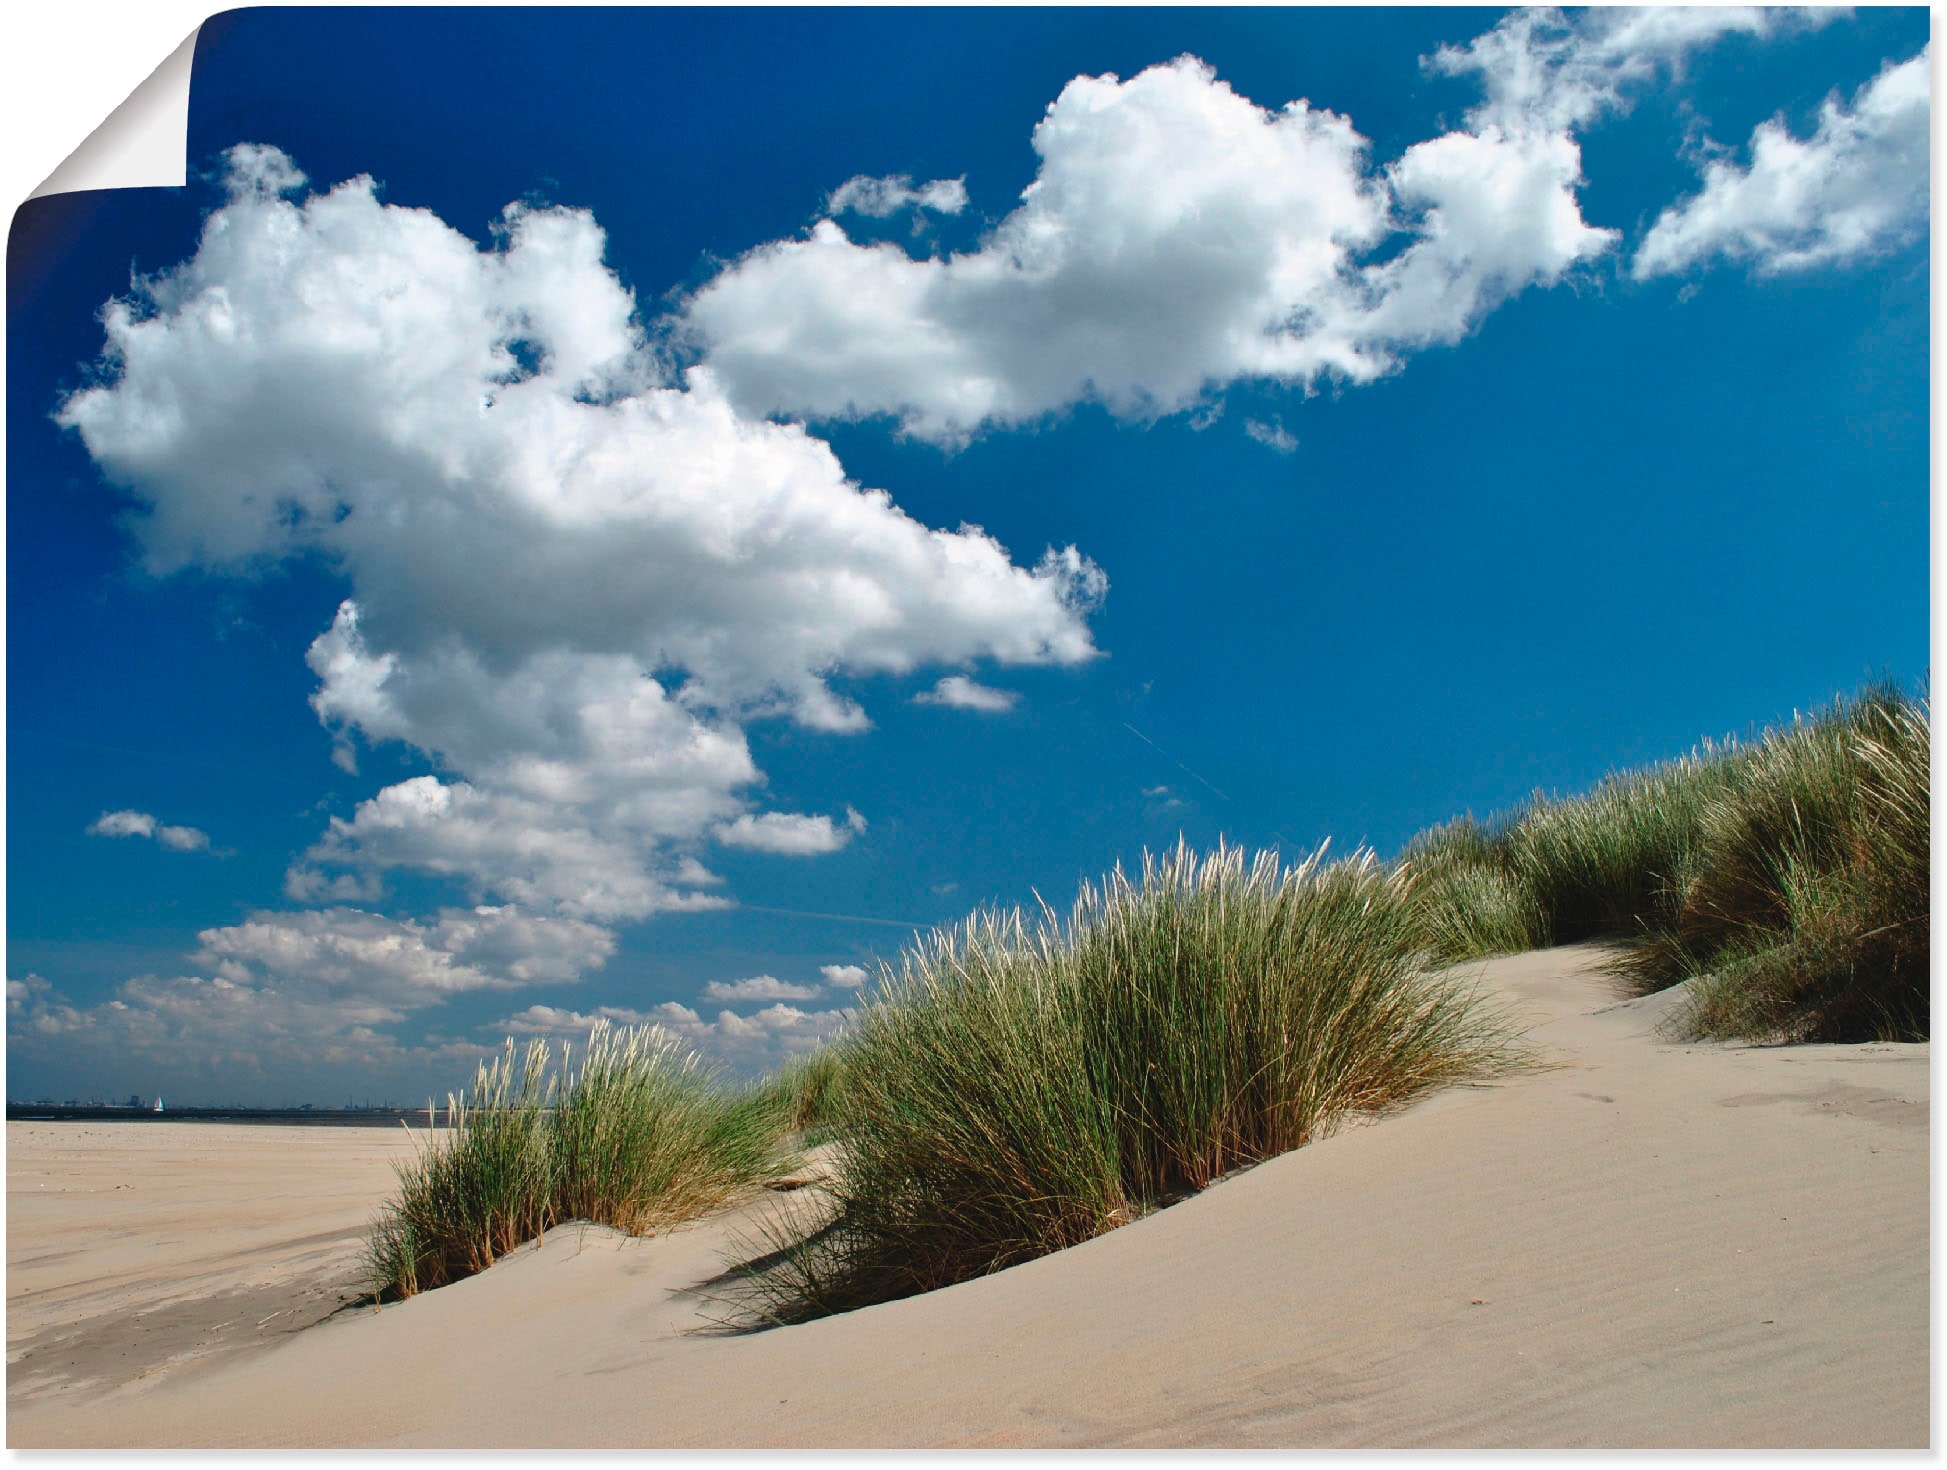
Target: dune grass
x: 1023, y: 1083
x: 640, y: 1136
x: 806, y: 1094
x: 1463, y: 898
x: 470, y: 1198
x: 1615, y: 860
x: 1806, y: 915
x: 1020, y: 1085
x: 1787, y: 876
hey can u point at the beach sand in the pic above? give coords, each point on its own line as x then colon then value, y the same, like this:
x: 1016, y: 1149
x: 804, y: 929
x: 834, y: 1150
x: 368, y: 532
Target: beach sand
x: 137, y: 1249
x: 1649, y: 1244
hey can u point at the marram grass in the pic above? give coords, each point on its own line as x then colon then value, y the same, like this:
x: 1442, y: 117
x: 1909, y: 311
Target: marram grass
x: 1806, y: 917
x: 1022, y: 1084
x: 806, y: 1094
x: 639, y: 1136
x: 1786, y: 878
x: 1464, y: 900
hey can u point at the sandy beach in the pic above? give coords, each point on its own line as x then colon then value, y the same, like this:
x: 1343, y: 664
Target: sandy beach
x: 1646, y: 1244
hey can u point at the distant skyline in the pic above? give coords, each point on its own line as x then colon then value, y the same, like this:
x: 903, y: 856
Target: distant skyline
x: 632, y: 513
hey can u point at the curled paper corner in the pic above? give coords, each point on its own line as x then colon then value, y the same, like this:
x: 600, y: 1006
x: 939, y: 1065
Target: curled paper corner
x: 143, y: 144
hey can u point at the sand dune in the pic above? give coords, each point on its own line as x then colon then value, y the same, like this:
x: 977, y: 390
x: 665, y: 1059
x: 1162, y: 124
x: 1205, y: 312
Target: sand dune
x: 1649, y: 1244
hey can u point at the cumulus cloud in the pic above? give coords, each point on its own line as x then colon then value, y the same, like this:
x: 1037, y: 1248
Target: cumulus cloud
x: 757, y: 1042
x: 1171, y: 234
x: 533, y: 851
x: 1857, y: 186
x: 747, y: 1044
x: 402, y: 963
x: 790, y: 834
x: 758, y: 987
x: 879, y: 198
x: 282, y: 995
x: 576, y: 577
x: 844, y: 977
x: 141, y: 824
x: 957, y: 691
x: 35, y: 1007
x: 206, y: 1033
x: 1178, y: 237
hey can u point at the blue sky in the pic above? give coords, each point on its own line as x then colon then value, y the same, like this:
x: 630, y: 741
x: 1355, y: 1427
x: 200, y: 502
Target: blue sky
x: 630, y: 512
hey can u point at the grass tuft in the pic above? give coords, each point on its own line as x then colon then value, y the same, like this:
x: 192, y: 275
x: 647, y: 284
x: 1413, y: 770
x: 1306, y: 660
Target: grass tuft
x: 1464, y: 901
x: 1020, y: 1085
x: 1787, y: 877
x: 641, y: 1136
x: 806, y: 1094
x: 1806, y: 918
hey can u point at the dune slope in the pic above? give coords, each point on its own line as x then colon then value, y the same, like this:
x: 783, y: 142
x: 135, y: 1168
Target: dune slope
x: 1648, y: 1244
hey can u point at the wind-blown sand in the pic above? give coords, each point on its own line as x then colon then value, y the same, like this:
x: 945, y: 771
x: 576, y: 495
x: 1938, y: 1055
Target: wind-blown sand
x: 1651, y: 1244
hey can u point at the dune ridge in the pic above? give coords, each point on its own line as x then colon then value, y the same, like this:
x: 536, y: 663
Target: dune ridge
x: 1646, y: 1244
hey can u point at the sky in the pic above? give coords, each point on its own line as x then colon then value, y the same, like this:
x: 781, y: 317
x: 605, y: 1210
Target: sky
x: 635, y: 514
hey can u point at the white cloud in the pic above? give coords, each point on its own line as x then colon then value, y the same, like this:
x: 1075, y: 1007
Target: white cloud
x: 1273, y: 436
x: 574, y: 578
x: 35, y: 1008
x: 749, y: 1045
x: 844, y: 977
x: 286, y: 998
x: 758, y: 987
x: 1857, y: 186
x: 123, y: 824
x: 758, y: 1042
x: 1171, y: 233
x: 878, y: 198
x: 1177, y: 238
x: 1542, y: 68
x: 349, y: 952
x: 791, y: 834
x: 534, y: 852
x: 141, y: 824
x: 957, y: 691
x: 1493, y: 211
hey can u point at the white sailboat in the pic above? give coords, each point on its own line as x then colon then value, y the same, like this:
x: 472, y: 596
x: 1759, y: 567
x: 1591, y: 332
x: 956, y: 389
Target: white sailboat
x: 158, y: 1102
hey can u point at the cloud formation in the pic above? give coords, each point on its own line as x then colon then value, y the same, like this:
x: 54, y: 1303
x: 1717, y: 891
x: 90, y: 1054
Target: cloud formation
x: 749, y: 1045
x: 1545, y: 69
x: 1273, y: 435
x: 281, y: 996
x: 957, y: 691
x: 1857, y: 186
x: 141, y: 824
x: 789, y: 834
x: 1170, y: 234
x: 575, y: 576
x: 845, y: 977
x: 403, y: 964
x: 758, y: 987
x: 880, y: 198
x: 1177, y: 238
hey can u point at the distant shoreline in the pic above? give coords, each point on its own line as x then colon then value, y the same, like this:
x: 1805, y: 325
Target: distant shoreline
x: 304, y: 1117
